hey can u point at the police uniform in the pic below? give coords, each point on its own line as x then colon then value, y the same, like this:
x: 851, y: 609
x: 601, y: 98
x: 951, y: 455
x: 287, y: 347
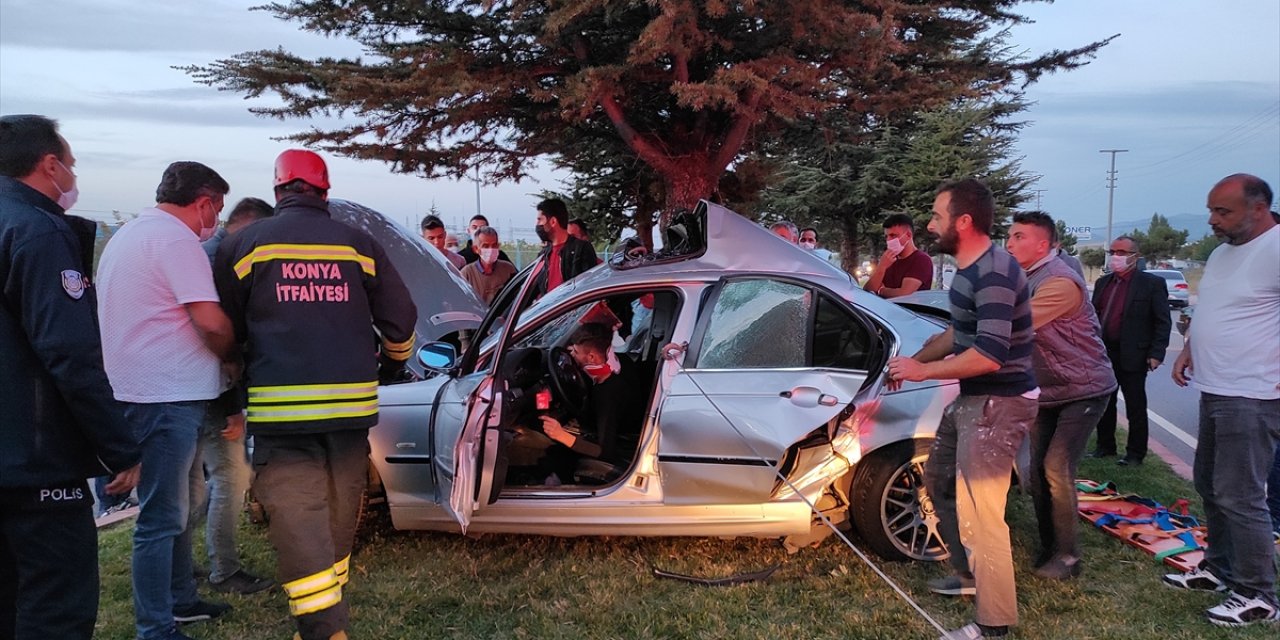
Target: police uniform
x: 304, y: 293
x: 59, y: 424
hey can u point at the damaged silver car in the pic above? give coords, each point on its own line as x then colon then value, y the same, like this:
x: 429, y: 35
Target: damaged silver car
x: 759, y: 368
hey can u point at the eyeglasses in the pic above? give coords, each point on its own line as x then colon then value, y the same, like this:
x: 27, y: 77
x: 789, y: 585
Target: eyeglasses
x: 1122, y: 253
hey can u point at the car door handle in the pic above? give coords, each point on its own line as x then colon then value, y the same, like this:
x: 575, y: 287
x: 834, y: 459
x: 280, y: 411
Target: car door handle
x: 809, y: 397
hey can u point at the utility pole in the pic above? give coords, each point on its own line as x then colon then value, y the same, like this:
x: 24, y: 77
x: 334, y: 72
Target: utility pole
x: 477, y: 179
x: 1111, y: 189
x: 1038, y: 192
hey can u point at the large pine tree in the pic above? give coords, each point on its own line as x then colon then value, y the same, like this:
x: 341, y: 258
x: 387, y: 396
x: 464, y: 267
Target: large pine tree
x: 686, y: 86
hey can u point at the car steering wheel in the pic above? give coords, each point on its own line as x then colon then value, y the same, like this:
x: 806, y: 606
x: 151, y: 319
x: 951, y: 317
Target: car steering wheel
x: 568, y: 379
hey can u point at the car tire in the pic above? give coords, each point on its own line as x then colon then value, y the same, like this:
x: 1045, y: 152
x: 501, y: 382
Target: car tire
x: 890, y: 507
x: 373, y: 519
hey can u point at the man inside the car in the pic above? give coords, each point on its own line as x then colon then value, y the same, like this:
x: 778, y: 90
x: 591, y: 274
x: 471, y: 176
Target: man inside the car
x: 614, y: 409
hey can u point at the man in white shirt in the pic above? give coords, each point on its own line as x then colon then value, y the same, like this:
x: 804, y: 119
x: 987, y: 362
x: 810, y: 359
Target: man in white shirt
x: 165, y: 342
x: 1232, y: 356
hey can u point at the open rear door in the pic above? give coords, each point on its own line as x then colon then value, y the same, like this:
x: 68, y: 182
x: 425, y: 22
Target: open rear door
x: 474, y: 476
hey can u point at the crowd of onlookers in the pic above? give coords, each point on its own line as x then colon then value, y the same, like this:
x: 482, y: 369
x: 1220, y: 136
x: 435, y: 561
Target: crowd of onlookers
x: 193, y: 335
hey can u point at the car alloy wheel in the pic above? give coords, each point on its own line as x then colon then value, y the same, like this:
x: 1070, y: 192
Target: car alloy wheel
x: 891, y: 507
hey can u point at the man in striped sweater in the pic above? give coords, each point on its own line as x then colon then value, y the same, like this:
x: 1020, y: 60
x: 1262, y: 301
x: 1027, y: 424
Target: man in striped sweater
x: 990, y: 339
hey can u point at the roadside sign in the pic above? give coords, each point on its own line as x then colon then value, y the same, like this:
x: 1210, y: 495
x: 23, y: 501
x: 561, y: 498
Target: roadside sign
x: 1081, y: 233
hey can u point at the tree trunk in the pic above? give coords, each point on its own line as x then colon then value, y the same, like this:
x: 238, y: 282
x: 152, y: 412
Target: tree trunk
x: 849, y: 247
x: 648, y: 202
x: 685, y: 189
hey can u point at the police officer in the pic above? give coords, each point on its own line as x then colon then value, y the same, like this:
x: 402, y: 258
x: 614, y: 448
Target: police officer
x: 60, y: 423
x: 305, y: 293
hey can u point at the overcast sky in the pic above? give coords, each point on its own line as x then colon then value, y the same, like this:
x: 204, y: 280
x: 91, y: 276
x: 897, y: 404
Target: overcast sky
x: 1191, y: 89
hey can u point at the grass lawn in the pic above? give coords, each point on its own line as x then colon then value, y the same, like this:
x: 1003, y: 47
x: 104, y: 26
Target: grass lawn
x: 428, y: 585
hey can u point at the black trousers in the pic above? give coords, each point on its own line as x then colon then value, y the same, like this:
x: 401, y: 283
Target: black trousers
x: 311, y: 486
x: 1134, y: 386
x: 48, y: 569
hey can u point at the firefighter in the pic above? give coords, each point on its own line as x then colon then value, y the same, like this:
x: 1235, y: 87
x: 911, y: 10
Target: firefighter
x: 304, y: 293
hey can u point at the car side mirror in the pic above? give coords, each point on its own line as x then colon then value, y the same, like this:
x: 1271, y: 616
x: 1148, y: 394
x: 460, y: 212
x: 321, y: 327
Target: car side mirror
x: 438, y: 356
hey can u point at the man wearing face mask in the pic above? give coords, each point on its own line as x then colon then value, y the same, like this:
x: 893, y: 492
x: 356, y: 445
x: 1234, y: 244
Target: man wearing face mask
x: 903, y: 269
x: 613, y: 406
x: 569, y: 256
x: 469, y: 252
x: 59, y: 423
x: 168, y: 349
x: 489, y: 273
x: 809, y: 242
x: 1133, y: 307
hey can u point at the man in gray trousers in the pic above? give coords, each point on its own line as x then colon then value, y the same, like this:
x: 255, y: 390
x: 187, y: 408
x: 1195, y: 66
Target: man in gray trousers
x: 981, y: 431
x: 1075, y: 380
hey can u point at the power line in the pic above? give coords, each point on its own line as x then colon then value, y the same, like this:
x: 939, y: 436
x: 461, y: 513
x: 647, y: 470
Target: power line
x: 1222, y: 142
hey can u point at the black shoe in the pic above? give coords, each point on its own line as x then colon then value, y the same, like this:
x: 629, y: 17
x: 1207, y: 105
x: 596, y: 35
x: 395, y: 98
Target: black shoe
x: 1097, y: 453
x: 1060, y: 568
x: 1042, y: 559
x: 200, y: 611
x: 243, y: 583
x: 1127, y: 462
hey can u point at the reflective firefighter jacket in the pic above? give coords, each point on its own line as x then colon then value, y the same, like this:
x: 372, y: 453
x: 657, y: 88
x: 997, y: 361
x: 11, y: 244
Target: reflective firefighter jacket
x: 305, y: 293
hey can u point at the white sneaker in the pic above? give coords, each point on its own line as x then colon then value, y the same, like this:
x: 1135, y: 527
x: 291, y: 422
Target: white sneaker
x: 1194, y: 580
x: 1239, y: 611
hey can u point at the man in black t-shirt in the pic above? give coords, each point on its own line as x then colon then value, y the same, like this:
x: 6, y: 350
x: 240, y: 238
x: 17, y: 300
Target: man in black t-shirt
x: 469, y: 252
x: 614, y: 412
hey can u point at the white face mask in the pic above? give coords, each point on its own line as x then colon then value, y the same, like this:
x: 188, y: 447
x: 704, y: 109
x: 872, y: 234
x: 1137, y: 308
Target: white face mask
x: 67, y: 199
x: 207, y: 232
x: 809, y: 244
x: 1120, y: 263
x: 895, y: 246
x: 488, y: 256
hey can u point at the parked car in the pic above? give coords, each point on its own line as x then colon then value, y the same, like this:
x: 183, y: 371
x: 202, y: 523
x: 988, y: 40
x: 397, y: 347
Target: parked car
x: 929, y: 302
x: 1176, y: 283
x: 764, y: 386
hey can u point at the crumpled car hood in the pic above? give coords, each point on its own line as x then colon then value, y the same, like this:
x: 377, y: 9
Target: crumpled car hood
x: 446, y: 303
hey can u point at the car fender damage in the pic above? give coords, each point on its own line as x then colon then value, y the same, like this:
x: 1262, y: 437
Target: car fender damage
x: 825, y: 464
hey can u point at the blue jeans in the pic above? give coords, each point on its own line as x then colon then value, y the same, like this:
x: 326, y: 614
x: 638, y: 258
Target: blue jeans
x: 162, y: 576
x: 220, y: 498
x: 105, y: 500
x: 1237, y: 449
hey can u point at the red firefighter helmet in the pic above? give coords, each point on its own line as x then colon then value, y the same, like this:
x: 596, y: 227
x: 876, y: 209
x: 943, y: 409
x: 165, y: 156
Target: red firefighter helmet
x: 300, y: 164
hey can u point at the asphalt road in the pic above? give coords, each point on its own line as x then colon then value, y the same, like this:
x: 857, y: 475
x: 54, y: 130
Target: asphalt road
x: 1173, y: 411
